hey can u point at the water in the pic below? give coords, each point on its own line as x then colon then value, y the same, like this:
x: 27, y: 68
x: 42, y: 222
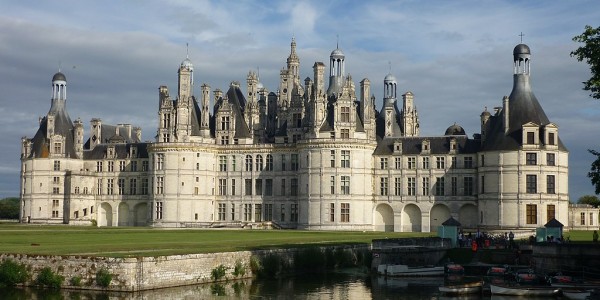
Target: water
x: 348, y: 285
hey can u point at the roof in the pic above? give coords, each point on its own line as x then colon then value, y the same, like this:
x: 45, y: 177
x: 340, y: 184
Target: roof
x: 554, y: 223
x: 451, y: 222
x: 121, y: 151
x: 59, y: 77
x: 437, y: 145
x: 62, y: 126
x: 238, y: 104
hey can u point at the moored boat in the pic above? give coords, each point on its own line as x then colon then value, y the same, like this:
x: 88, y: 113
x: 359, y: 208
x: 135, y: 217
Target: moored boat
x: 462, y: 289
x: 452, y: 268
x: 404, y: 270
x: 523, y: 290
x: 576, y: 294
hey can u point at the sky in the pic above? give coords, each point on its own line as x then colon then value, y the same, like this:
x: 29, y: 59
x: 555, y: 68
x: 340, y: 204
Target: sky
x: 454, y: 56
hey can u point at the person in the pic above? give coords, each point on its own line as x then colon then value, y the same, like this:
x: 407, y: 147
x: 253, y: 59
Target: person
x: 595, y: 236
x: 511, y: 238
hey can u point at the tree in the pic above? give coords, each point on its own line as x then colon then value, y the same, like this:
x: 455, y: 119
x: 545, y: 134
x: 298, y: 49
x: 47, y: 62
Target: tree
x: 594, y: 173
x: 9, y: 208
x: 589, y: 199
x: 590, y: 52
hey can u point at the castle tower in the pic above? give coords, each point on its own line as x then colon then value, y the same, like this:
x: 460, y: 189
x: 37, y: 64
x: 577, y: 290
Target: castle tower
x: 410, y: 117
x: 205, y: 117
x: 336, y: 72
x: 389, y: 106
x: 185, y: 100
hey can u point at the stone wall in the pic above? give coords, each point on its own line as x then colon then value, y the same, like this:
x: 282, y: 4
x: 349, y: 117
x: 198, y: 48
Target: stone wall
x: 582, y: 260
x: 142, y: 273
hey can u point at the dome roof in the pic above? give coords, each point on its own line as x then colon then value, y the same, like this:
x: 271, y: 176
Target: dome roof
x: 455, y: 130
x: 59, y: 77
x: 389, y: 78
x: 187, y: 63
x: 337, y: 53
x: 521, y: 49
x: 259, y: 86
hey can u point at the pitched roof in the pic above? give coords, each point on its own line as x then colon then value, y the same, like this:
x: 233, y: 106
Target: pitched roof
x: 451, y: 222
x: 554, y: 223
x: 437, y: 145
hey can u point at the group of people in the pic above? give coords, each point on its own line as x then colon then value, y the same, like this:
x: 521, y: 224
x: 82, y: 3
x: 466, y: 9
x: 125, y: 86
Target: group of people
x: 480, y: 239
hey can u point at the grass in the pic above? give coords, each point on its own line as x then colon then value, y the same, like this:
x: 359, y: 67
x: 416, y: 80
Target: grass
x: 144, y: 241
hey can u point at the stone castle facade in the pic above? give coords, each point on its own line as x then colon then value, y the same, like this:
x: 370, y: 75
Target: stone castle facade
x: 309, y: 156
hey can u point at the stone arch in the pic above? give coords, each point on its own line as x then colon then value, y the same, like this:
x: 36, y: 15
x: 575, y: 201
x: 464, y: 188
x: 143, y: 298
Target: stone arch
x: 140, y: 214
x: 467, y: 215
x: 411, y: 218
x: 439, y: 214
x: 123, y: 214
x: 105, y: 215
x: 383, y: 218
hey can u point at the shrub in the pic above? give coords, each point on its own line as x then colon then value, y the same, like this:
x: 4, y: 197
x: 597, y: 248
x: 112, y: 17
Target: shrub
x: 103, y: 277
x: 94, y: 223
x: 255, y: 266
x: 12, y: 273
x: 48, y: 278
x: 75, y: 281
x: 239, y: 269
x: 218, y: 272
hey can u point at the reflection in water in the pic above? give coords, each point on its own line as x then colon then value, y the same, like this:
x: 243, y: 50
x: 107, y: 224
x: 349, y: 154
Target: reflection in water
x: 348, y: 285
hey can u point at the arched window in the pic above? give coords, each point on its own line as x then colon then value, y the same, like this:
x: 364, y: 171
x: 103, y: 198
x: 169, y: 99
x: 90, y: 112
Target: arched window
x: 259, y: 163
x: 249, y: 163
x: 269, y: 166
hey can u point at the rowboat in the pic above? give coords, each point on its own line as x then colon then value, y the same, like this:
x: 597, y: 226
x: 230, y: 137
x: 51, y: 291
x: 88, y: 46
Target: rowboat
x: 404, y: 270
x: 523, y: 290
x: 454, y: 269
x: 576, y: 294
x: 462, y: 289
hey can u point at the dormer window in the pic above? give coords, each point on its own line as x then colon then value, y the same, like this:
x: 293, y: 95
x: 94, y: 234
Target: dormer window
x: 425, y: 146
x: 398, y: 147
x: 551, y: 138
x: 57, y: 148
x: 530, y: 138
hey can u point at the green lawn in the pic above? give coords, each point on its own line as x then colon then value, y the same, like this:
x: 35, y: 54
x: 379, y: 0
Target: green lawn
x: 143, y: 241
x: 579, y: 235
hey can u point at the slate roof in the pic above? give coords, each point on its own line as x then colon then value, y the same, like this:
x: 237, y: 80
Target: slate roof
x: 554, y: 223
x: 437, y: 145
x: 451, y: 222
x: 121, y: 151
x: 62, y: 126
x: 238, y: 103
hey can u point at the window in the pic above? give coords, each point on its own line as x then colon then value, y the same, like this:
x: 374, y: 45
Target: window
x: 331, y: 212
x: 99, y: 187
x: 468, y: 186
x: 233, y: 163
x: 425, y: 162
x: 332, y: 160
x: 111, y: 166
x: 398, y: 162
x: 99, y: 166
x: 550, y: 159
x: 412, y: 162
x: 268, y: 213
x: 468, y: 162
x: 530, y: 138
x: 294, y: 187
x: 345, y: 162
x: 531, y: 214
x: 550, y: 184
x: 56, y: 165
x: 160, y: 161
x: 345, y: 213
x: 297, y: 120
x: 144, y: 166
x: 225, y: 123
x: 122, y: 165
x: 249, y: 163
x: 283, y: 162
x: 454, y: 186
x: 223, y: 163
x: 85, y: 212
x: 121, y: 186
x: 582, y: 217
x: 383, y: 163
x: 134, y: 166
x: 295, y: 162
x: 258, y: 212
x: 425, y: 186
x: 454, y: 163
x: 222, y: 211
x: 531, y: 184
x: 591, y: 219
x: 551, y: 140
x: 144, y: 186
x: 259, y: 163
x: 283, y: 192
x: 57, y: 148
x: 397, y: 186
x: 294, y: 212
x: 258, y: 187
x: 56, y: 180
x: 483, y: 184
x: 132, y: 186
x: 222, y: 186
x: 55, y: 213
x: 282, y: 213
x: 248, y: 187
x: 531, y: 159
x: 159, y: 185
x: 440, y: 162
x: 332, y: 185
x: 345, y: 114
x: 345, y: 133
x: 383, y: 186
x: 159, y: 210
x: 269, y: 165
x: 550, y: 212
x: 269, y: 187
x: 232, y: 212
x: 345, y: 185
x: 233, y: 187
x: 439, y: 186
x: 109, y: 186
x: 197, y: 166
x: 247, y: 212
x: 412, y: 186
x: 55, y: 203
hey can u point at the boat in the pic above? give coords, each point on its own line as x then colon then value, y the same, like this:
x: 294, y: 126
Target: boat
x: 523, y: 290
x: 498, y: 271
x: 404, y: 270
x: 526, y: 276
x: 452, y: 268
x: 462, y: 289
x: 576, y: 294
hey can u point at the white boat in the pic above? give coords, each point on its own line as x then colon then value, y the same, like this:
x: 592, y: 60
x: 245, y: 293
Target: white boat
x: 576, y: 294
x: 523, y: 290
x: 404, y: 270
x: 462, y: 289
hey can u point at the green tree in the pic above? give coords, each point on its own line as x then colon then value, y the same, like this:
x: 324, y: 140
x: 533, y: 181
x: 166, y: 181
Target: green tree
x: 594, y: 173
x: 590, y: 52
x: 589, y: 199
x: 9, y: 208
